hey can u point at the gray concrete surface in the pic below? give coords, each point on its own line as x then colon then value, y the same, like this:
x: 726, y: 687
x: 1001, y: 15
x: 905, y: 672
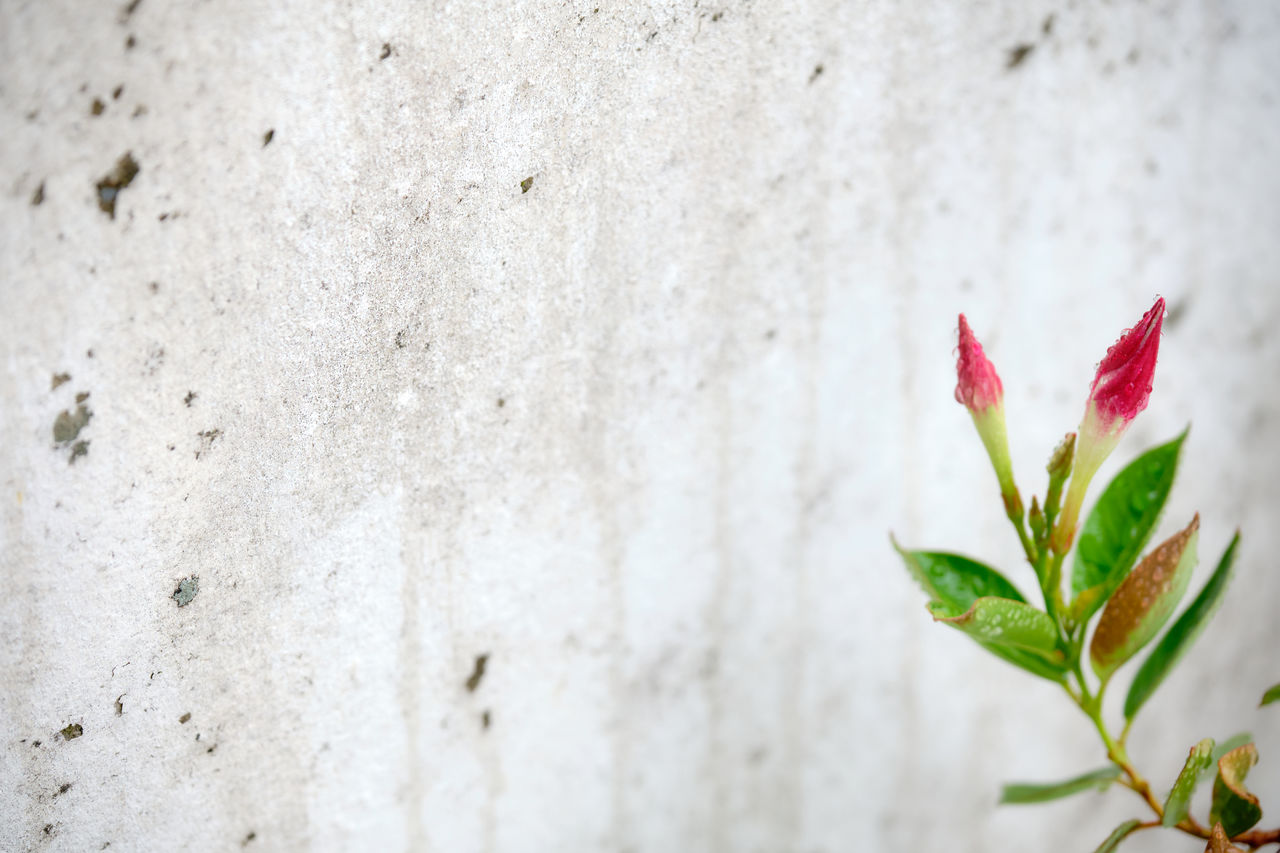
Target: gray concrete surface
x: 608, y: 341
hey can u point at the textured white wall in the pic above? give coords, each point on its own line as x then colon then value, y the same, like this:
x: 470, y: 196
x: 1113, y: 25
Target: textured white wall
x: 638, y: 434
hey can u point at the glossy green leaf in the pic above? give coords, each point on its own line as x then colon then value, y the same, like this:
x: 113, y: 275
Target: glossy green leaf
x: 1119, y: 526
x: 1174, y: 644
x: 1144, y: 601
x: 1031, y: 662
x: 1233, y: 805
x: 1178, y: 804
x: 1004, y: 622
x: 1021, y: 793
x: 956, y: 582
x: 1120, y: 833
x: 1272, y: 695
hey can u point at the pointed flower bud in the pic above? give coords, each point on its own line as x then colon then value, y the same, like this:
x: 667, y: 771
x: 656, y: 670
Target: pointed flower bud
x: 1119, y: 393
x: 979, y: 389
x: 1035, y: 518
x: 1059, y: 466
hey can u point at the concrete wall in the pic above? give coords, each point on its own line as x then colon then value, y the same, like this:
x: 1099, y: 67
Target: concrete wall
x: 608, y: 341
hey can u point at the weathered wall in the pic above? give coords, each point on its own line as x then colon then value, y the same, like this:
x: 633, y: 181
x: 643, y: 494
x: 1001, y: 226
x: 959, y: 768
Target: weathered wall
x: 637, y: 430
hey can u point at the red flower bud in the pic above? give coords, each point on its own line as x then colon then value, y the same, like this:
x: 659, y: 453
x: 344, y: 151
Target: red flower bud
x: 1123, y: 384
x: 980, y: 391
x: 1119, y: 392
x: 979, y: 387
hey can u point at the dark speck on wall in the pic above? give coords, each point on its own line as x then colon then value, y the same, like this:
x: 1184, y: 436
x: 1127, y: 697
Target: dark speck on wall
x: 526, y: 185
x: 67, y: 427
x: 267, y: 137
x: 386, y: 51
x: 109, y: 187
x: 1017, y: 55
x: 1047, y: 27
x: 72, y: 731
x: 817, y: 72
x: 207, y: 438
x: 190, y: 398
x: 97, y: 107
x: 130, y: 43
x: 187, y: 590
x: 117, y: 92
x: 485, y: 719
x: 185, y: 718
x: 37, y: 197
x: 252, y: 835
x: 58, y: 379
x: 62, y: 789
x: 477, y: 673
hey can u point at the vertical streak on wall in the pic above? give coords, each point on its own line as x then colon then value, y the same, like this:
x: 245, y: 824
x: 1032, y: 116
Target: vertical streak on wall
x: 600, y: 473
x: 1202, y: 127
x: 410, y: 685
x: 795, y: 660
x: 904, y: 137
x: 718, y: 784
x: 611, y: 547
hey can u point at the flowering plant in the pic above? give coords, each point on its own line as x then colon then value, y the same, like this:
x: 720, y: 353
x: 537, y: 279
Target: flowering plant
x: 1136, y: 597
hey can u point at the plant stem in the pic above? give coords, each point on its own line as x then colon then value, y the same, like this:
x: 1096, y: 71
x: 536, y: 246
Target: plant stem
x: 1052, y: 587
x: 1091, y: 704
x: 1019, y: 524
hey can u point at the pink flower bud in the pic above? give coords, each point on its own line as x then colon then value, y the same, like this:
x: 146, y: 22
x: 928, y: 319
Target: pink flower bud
x: 1119, y: 392
x: 1123, y: 384
x: 979, y: 387
x: 980, y: 391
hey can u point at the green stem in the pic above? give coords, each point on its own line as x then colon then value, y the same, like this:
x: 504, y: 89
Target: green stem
x: 1020, y: 525
x: 1052, y: 587
x: 1091, y: 704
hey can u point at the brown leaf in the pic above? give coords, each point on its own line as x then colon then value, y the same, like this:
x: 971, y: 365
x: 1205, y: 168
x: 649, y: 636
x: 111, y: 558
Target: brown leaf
x: 1143, y: 602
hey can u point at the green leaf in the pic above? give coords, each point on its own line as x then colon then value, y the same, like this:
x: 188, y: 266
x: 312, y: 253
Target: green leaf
x: 956, y: 582
x: 1184, y: 632
x: 1029, y: 661
x: 1272, y: 695
x: 1120, y: 833
x: 1143, y: 603
x: 1022, y: 793
x: 1119, y: 526
x: 1233, y: 805
x: 1178, y: 804
x: 1004, y: 622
